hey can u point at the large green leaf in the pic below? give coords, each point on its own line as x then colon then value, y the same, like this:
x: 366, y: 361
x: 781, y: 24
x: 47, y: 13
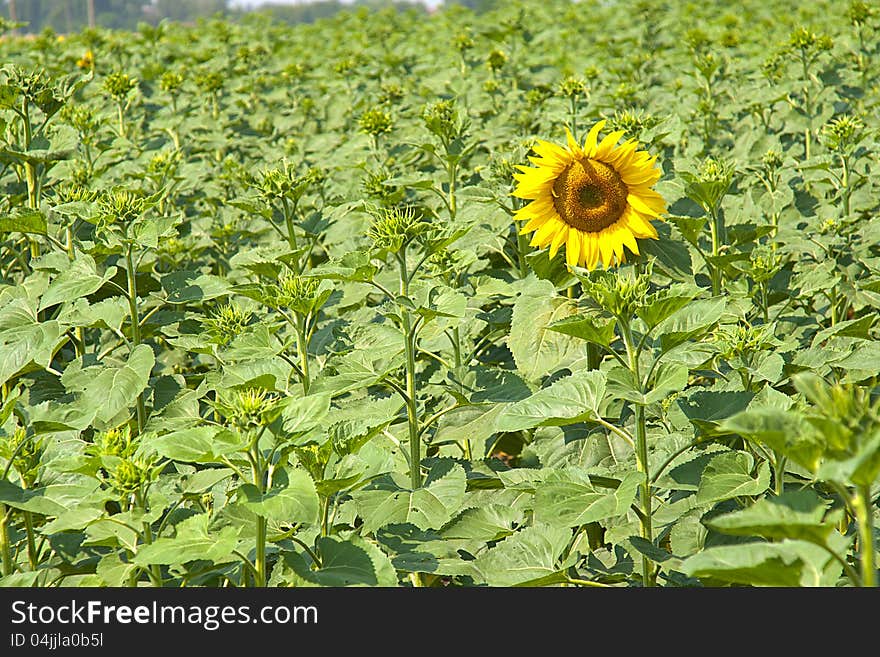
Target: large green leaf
x: 206, y: 444
x: 794, y: 514
x: 786, y: 564
x: 569, y: 499
x: 429, y: 507
x: 528, y: 556
x: 192, y: 542
x: 729, y: 474
x: 78, y: 280
x: 536, y: 350
x: 688, y: 323
x: 573, y: 399
x: 351, y: 562
x: 292, y: 498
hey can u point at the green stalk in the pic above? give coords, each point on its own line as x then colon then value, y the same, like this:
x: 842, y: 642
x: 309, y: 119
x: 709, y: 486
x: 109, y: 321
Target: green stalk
x: 808, y: 106
x: 303, y: 350
x: 861, y: 503
x: 716, y: 249
x: 135, y: 324
x: 155, y: 570
x: 452, y: 174
x: 641, y: 456
x: 80, y: 345
x: 120, y: 117
x: 260, y: 551
x: 5, y: 552
x: 415, y: 459
x: 30, y: 173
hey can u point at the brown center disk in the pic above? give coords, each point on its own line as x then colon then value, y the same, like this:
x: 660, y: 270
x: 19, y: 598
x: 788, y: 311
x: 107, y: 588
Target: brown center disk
x: 589, y: 195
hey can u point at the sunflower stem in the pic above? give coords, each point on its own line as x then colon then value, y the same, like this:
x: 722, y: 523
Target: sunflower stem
x: 861, y: 503
x: 641, y: 455
x: 135, y: 324
x: 415, y: 459
x: 716, y: 250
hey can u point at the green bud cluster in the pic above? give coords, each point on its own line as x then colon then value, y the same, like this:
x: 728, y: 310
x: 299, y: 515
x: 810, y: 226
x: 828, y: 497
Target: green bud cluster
x: 390, y: 93
x: 171, y: 82
x: 621, y: 294
x: 121, y: 205
x: 859, y: 12
x: 463, y: 42
x: 116, y: 442
x: 496, y: 59
x: 842, y: 133
x: 130, y: 475
x: 247, y: 408
x: 394, y: 228
x: 81, y: 117
x: 443, y: 119
x: 299, y: 293
x: 771, y: 160
x: 25, y: 452
x: 572, y: 87
x: 809, y: 42
x: 375, y: 122
x: 118, y: 85
x: 209, y: 82
x: 632, y: 122
x: 226, y: 322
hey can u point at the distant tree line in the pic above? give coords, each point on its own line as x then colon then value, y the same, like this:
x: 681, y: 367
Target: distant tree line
x: 74, y: 15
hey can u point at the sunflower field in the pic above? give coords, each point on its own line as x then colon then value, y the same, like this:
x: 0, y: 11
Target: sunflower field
x: 556, y: 294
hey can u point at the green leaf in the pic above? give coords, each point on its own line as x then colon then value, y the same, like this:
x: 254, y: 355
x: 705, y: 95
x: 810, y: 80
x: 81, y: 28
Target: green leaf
x: 189, y: 286
x: 24, y: 220
x: 536, y: 350
x: 79, y: 280
x: 728, y: 475
x: 706, y: 409
x: 784, y: 431
x: 660, y: 306
x: 192, y: 542
x: 292, y: 498
x: 670, y: 377
x: 573, y: 399
x: 529, y: 555
x: 207, y: 444
x: 351, y: 562
x: 789, y: 564
x: 22, y: 345
x: 688, y: 323
x: 569, y: 499
x: 795, y: 514
x: 429, y: 507
x: 303, y: 414
x: 592, y: 329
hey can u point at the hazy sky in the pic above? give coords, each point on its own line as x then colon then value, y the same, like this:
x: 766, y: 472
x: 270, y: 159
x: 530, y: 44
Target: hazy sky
x: 257, y: 3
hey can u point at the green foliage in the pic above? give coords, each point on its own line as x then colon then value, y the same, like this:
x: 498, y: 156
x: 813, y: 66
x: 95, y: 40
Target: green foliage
x: 266, y: 318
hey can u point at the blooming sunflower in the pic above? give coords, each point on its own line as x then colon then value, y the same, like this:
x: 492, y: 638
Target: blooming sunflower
x: 596, y: 198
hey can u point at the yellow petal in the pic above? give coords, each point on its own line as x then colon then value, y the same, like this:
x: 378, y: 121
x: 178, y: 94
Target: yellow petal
x: 591, y: 247
x: 558, y: 240
x: 551, y: 151
x: 573, y: 146
x: 544, y: 234
x: 573, y: 247
x: 644, y: 203
x: 603, y: 150
x: 533, y: 224
x: 606, y: 248
x: 640, y: 226
x: 628, y: 239
x: 592, y: 138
